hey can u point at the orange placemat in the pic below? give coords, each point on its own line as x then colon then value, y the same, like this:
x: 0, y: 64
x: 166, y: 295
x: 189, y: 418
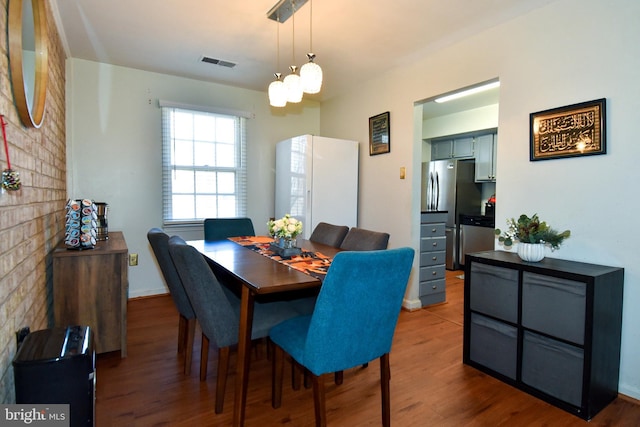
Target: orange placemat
x: 314, y: 264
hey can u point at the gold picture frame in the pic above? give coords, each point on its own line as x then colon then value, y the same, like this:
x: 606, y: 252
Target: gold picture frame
x: 379, y: 134
x: 571, y: 131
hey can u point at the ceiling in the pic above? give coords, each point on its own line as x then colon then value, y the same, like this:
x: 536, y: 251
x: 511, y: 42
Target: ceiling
x: 354, y: 40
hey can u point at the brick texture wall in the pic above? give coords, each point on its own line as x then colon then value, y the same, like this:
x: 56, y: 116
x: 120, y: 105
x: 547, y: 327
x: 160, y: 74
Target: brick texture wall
x: 31, y: 219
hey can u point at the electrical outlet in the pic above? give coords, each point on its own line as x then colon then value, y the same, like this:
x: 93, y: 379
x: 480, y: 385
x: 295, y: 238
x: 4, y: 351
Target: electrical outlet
x: 133, y: 259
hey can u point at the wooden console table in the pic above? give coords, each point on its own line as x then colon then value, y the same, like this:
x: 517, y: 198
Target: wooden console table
x: 90, y: 288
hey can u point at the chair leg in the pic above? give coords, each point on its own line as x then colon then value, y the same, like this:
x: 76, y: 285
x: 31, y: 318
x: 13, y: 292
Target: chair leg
x: 182, y: 333
x: 295, y: 375
x: 307, y: 378
x: 338, y: 377
x: 204, y: 357
x: 319, y: 400
x: 190, y: 330
x: 277, y: 360
x: 385, y: 376
x: 221, y: 382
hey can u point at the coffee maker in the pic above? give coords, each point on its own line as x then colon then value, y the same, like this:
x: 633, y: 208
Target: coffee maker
x: 103, y: 228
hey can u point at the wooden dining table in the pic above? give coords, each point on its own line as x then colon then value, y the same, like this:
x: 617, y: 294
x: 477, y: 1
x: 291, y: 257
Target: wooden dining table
x: 258, y: 275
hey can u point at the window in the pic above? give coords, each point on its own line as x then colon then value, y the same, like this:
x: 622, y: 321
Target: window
x: 204, y: 165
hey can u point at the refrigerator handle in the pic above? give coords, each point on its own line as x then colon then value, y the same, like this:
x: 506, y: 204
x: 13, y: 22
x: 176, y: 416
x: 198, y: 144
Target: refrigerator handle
x: 432, y: 189
x: 437, y: 192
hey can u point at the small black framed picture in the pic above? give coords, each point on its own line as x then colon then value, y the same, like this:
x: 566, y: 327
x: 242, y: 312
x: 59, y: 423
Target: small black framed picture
x: 574, y: 130
x: 379, y: 131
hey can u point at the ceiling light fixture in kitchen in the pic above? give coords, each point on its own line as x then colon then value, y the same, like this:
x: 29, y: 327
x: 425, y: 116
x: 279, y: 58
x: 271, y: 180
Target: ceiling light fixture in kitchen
x: 468, y: 92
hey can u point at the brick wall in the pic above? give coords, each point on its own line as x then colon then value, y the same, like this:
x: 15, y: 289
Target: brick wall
x: 31, y: 219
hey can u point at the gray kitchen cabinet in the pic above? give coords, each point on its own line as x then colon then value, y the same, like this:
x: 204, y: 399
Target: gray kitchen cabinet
x: 452, y: 148
x: 485, y: 155
x: 551, y: 328
x: 463, y: 147
x: 433, y: 243
x: 442, y: 150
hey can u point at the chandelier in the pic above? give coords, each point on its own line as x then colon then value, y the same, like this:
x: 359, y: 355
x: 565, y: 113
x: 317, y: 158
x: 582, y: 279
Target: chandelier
x: 309, y: 79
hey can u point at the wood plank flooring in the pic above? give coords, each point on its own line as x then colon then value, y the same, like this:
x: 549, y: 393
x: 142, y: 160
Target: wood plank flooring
x: 429, y: 384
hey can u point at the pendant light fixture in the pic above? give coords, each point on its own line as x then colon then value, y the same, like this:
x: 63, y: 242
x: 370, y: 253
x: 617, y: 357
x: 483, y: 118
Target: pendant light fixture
x: 311, y: 73
x: 292, y: 82
x: 277, y: 90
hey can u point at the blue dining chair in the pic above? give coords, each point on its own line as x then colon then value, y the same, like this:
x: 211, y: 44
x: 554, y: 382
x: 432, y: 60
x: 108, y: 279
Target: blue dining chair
x: 218, y: 311
x: 353, y: 323
x: 221, y: 228
x: 159, y: 242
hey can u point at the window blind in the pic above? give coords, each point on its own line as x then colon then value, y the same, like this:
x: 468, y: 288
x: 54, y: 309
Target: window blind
x: 203, y: 165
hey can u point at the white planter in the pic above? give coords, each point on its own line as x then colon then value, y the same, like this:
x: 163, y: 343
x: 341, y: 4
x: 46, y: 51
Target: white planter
x: 531, y: 252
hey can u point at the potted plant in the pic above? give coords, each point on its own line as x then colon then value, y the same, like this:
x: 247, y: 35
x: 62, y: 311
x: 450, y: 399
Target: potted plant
x: 284, y: 231
x: 533, y: 236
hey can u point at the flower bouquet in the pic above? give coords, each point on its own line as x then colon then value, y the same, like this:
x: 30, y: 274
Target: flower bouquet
x: 284, y: 231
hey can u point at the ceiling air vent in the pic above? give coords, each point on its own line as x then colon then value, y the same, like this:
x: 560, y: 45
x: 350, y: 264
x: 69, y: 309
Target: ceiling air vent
x: 219, y: 62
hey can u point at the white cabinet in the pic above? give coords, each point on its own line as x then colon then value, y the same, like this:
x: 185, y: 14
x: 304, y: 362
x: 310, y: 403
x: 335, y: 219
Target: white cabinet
x: 485, y: 154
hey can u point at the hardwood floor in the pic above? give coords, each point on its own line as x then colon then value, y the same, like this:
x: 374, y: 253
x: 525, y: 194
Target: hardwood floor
x: 429, y: 384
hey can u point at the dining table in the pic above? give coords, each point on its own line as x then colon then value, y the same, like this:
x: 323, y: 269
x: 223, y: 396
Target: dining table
x: 261, y: 272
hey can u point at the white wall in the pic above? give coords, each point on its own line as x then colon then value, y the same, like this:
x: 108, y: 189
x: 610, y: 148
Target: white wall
x: 461, y: 122
x: 567, y: 52
x: 114, y: 148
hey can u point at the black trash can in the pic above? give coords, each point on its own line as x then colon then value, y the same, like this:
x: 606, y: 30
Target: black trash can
x: 57, y: 366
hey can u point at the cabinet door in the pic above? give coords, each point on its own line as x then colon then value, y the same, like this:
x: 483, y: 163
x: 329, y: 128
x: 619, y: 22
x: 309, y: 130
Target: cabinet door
x: 441, y: 149
x: 553, y: 367
x: 463, y: 148
x: 494, y: 291
x: 554, y: 306
x: 485, y: 157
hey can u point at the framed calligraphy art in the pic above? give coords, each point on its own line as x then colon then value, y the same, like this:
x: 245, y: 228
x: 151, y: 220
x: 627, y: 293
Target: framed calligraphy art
x: 574, y: 130
x: 379, y: 131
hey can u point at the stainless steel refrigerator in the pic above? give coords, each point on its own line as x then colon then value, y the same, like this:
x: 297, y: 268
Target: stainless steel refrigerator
x: 449, y: 185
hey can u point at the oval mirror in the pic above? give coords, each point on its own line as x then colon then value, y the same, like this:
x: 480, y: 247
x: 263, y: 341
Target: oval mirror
x: 28, y: 58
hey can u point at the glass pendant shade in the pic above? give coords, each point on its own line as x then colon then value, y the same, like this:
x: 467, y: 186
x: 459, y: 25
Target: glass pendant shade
x: 311, y: 75
x: 277, y: 92
x: 293, y: 86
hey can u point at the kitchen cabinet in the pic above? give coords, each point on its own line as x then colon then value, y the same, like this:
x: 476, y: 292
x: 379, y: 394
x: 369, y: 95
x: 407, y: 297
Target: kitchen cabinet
x: 90, y: 288
x: 485, y: 155
x: 551, y: 329
x: 463, y: 148
x: 442, y: 150
x: 432, y: 258
x: 452, y: 148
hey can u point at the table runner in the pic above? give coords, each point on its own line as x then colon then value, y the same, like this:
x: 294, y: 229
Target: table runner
x: 314, y: 264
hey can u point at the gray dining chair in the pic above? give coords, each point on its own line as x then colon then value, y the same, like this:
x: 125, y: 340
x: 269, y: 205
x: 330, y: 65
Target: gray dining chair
x: 218, y: 311
x: 221, y: 228
x: 359, y: 239
x: 159, y: 242
x: 329, y: 234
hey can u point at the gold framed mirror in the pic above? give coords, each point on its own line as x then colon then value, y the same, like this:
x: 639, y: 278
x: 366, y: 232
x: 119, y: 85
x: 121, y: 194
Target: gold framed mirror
x: 28, y: 59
